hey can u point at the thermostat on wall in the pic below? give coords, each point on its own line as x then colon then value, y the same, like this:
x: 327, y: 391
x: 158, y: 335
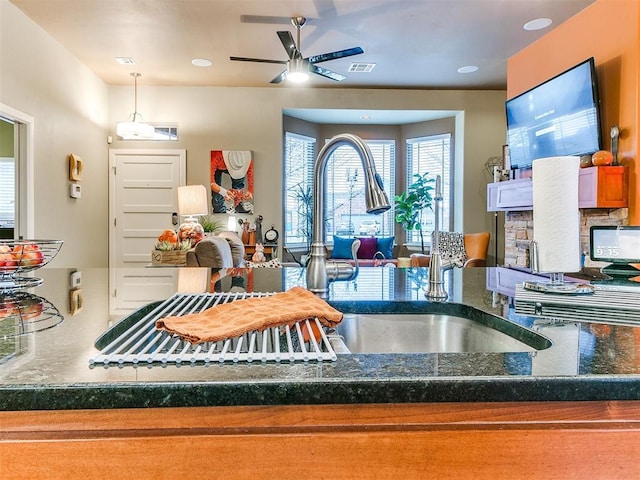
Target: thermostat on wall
x: 74, y: 190
x: 75, y: 279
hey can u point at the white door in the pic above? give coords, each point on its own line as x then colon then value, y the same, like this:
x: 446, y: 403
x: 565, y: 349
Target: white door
x: 23, y: 139
x: 142, y: 203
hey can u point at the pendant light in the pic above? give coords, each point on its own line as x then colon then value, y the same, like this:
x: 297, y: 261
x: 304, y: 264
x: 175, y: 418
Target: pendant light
x: 135, y: 127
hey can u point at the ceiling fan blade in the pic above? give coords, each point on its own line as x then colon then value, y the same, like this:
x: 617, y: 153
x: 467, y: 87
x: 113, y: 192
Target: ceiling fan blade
x: 280, y: 78
x: 326, y: 73
x: 289, y: 44
x: 335, y: 55
x: 260, y: 60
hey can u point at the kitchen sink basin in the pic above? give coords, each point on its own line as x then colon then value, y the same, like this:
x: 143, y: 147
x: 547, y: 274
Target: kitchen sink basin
x: 397, y: 327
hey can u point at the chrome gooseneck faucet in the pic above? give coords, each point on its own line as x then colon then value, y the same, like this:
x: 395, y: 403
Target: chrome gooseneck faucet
x: 320, y: 271
x: 435, y: 289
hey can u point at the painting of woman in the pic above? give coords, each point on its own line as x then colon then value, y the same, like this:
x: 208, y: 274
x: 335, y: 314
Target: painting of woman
x: 231, y: 181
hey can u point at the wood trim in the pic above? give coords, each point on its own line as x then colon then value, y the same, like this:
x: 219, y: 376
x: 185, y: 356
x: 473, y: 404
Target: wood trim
x: 449, y: 440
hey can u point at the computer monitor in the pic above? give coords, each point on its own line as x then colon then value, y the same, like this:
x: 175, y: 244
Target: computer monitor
x: 617, y: 245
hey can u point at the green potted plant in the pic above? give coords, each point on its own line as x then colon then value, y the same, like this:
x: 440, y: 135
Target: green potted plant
x: 410, y: 204
x: 211, y: 224
x: 303, y: 196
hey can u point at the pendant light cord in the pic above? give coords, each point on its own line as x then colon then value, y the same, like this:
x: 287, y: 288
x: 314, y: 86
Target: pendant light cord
x: 135, y: 94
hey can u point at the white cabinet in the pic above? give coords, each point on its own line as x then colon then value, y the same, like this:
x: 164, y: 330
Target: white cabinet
x: 598, y: 187
x: 510, y: 195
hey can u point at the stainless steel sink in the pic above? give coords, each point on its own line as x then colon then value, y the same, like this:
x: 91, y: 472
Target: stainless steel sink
x: 430, y: 328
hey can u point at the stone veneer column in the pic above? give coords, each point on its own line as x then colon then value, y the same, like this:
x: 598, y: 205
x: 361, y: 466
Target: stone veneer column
x: 518, y: 232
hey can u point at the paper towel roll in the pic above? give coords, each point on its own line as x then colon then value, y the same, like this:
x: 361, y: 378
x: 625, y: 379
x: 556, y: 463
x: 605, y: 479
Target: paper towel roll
x: 556, y: 217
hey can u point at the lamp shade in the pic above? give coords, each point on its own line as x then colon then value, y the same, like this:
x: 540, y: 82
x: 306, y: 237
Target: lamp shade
x: 231, y: 223
x: 192, y: 200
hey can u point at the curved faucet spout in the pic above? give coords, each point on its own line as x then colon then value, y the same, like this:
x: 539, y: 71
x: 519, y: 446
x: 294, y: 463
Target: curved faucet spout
x: 375, y: 197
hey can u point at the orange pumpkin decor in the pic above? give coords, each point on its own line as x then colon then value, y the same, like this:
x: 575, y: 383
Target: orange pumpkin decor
x: 168, y: 235
x: 602, y: 157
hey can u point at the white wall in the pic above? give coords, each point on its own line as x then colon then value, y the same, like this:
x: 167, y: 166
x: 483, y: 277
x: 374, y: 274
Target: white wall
x: 69, y: 105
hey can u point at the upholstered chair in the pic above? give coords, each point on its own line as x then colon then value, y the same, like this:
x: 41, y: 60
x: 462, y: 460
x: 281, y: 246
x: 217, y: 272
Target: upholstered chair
x: 476, y: 246
x: 224, y: 250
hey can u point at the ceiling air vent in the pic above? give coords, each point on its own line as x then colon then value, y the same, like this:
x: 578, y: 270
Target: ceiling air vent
x: 125, y: 61
x: 361, y: 67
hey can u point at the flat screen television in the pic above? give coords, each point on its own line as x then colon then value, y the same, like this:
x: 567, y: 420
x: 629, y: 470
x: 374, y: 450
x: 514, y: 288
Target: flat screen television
x: 558, y: 117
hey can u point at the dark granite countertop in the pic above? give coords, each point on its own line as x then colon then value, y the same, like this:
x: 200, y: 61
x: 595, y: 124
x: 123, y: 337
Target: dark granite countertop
x: 50, y: 369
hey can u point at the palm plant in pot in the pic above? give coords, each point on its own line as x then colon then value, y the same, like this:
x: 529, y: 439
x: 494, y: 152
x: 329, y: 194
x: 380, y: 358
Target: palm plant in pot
x: 210, y: 224
x: 303, y: 196
x: 410, y: 204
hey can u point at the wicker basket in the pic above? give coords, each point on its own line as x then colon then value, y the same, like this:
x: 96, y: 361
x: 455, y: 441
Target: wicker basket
x: 171, y: 257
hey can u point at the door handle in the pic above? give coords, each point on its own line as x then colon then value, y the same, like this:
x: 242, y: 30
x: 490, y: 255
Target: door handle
x: 174, y: 218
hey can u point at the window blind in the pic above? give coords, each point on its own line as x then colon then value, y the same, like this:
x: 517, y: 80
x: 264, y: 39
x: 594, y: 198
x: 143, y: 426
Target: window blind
x: 298, y: 172
x: 431, y: 155
x: 7, y: 192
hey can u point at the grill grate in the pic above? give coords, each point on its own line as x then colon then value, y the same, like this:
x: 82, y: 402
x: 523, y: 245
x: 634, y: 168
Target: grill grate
x: 139, y: 342
x: 609, y: 306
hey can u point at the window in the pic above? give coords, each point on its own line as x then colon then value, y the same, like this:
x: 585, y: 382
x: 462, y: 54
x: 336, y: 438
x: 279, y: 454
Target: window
x: 7, y: 192
x: 299, y: 154
x: 165, y: 132
x: 161, y: 132
x: 431, y: 155
x: 370, y: 284
x: 345, y: 206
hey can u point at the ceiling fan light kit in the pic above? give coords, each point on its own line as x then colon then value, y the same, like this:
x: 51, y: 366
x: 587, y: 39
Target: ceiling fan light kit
x: 298, y: 67
x: 297, y: 70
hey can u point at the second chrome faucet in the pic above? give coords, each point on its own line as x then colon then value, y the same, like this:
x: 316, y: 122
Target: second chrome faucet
x: 435, y: 288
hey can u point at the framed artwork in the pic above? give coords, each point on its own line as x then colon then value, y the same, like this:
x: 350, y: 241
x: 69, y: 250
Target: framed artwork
x: 231, y: 181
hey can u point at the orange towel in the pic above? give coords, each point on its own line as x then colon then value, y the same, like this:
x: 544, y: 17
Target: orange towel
x: 236, y: 318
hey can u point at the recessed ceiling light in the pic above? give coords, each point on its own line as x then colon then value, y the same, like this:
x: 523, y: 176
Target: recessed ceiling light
x: 468, y: 69
x: 125, y: 61
x: 201, y: 62
x: 537, y: 24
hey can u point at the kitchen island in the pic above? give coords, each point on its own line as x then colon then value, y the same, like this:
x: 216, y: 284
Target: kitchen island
x: 397, y: 413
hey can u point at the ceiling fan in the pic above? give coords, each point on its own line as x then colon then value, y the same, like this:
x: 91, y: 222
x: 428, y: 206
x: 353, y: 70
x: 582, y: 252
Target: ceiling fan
x: 297, y: 66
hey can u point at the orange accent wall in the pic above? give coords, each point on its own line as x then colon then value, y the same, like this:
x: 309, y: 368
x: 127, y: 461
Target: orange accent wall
x: 609, y: 31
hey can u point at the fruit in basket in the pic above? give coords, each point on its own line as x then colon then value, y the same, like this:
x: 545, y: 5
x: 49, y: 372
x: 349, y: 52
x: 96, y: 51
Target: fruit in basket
x: 7, y: 308
x: 28, y: 255
x: 31, y: 308
x: 26, y: 308
x: 7, y: 260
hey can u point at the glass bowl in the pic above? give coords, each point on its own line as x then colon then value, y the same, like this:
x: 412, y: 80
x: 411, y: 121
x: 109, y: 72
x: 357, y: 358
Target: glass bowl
x: 21, y: 256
